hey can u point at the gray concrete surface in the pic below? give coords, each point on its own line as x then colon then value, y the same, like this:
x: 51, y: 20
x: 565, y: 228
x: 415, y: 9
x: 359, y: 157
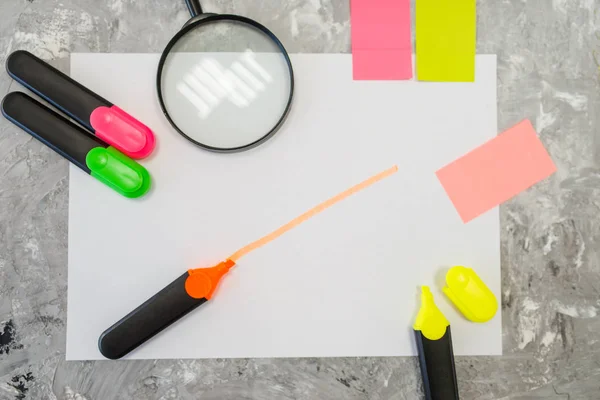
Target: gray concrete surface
x: 550, y: 234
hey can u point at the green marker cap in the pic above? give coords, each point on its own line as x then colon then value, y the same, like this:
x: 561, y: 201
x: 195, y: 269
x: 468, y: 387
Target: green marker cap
x: 118, y: 171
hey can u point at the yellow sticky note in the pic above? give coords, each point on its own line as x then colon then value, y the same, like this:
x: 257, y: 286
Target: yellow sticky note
x: 445, y: 40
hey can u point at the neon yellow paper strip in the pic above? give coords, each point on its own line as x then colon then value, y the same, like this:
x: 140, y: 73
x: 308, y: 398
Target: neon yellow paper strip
x: 445, y: 40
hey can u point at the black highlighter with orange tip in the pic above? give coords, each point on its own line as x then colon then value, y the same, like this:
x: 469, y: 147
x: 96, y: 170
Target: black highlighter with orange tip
x: 196, y: 287
x: 183, y: 295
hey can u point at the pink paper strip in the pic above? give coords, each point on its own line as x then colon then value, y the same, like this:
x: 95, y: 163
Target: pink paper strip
x: 381, y: 44
x: 496, y: 171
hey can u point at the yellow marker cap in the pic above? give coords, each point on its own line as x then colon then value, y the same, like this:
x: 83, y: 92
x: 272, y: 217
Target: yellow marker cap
x: 470, y: 295
x: 430, y: 320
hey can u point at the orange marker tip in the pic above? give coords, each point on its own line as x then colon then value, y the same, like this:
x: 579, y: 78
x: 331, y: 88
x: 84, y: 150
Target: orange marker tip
x: 202, y: 282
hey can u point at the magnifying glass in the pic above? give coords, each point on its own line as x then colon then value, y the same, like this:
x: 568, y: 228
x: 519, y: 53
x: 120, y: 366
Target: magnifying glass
x: 225, y: 82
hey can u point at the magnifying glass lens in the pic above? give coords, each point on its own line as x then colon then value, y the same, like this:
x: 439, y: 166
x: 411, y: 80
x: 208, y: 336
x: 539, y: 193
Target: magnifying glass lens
x: 226, y: 84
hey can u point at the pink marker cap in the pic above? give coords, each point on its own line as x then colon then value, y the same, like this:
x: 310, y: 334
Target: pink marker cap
x: 123, y: 132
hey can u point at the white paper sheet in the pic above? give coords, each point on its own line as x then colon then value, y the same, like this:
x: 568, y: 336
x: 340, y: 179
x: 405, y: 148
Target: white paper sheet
x: 343, y: 284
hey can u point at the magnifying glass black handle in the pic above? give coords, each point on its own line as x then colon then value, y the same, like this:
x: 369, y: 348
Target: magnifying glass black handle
x: 180, y: 297
x: 194, y: 7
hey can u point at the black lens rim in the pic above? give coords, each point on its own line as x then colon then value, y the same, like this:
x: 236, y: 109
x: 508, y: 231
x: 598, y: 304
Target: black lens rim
x: 210, y: 19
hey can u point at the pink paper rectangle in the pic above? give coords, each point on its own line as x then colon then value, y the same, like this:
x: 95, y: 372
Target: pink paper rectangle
x: 496, y: 171
x: 380, y: 65
x: 381, y: 44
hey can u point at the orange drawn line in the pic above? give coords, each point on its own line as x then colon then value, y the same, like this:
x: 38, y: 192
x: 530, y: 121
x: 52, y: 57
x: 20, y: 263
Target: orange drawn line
x: 311, y: 213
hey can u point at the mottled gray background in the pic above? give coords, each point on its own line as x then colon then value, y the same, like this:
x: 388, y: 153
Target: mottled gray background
x: 550, y: 234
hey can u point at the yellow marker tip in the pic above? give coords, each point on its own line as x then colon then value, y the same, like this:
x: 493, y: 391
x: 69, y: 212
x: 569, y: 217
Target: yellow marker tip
x: 430, y: 320
x: 426, y: 293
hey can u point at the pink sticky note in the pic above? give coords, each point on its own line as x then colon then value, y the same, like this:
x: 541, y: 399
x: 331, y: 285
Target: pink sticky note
x: 496, y: 171
x: 381, y: 44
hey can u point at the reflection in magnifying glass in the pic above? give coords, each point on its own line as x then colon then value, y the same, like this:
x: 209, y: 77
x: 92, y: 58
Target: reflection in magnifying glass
x: 250, y: 58
x: 208, y: 83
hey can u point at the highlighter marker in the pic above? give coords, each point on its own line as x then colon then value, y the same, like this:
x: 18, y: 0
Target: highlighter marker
x: 89, y: 153
x: 197, y: 286
x: 434, y: 345
x: 99, y: 116
x: 181, y: 296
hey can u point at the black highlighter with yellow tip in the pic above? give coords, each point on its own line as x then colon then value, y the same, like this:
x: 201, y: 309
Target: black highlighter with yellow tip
x: 434, y: 344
